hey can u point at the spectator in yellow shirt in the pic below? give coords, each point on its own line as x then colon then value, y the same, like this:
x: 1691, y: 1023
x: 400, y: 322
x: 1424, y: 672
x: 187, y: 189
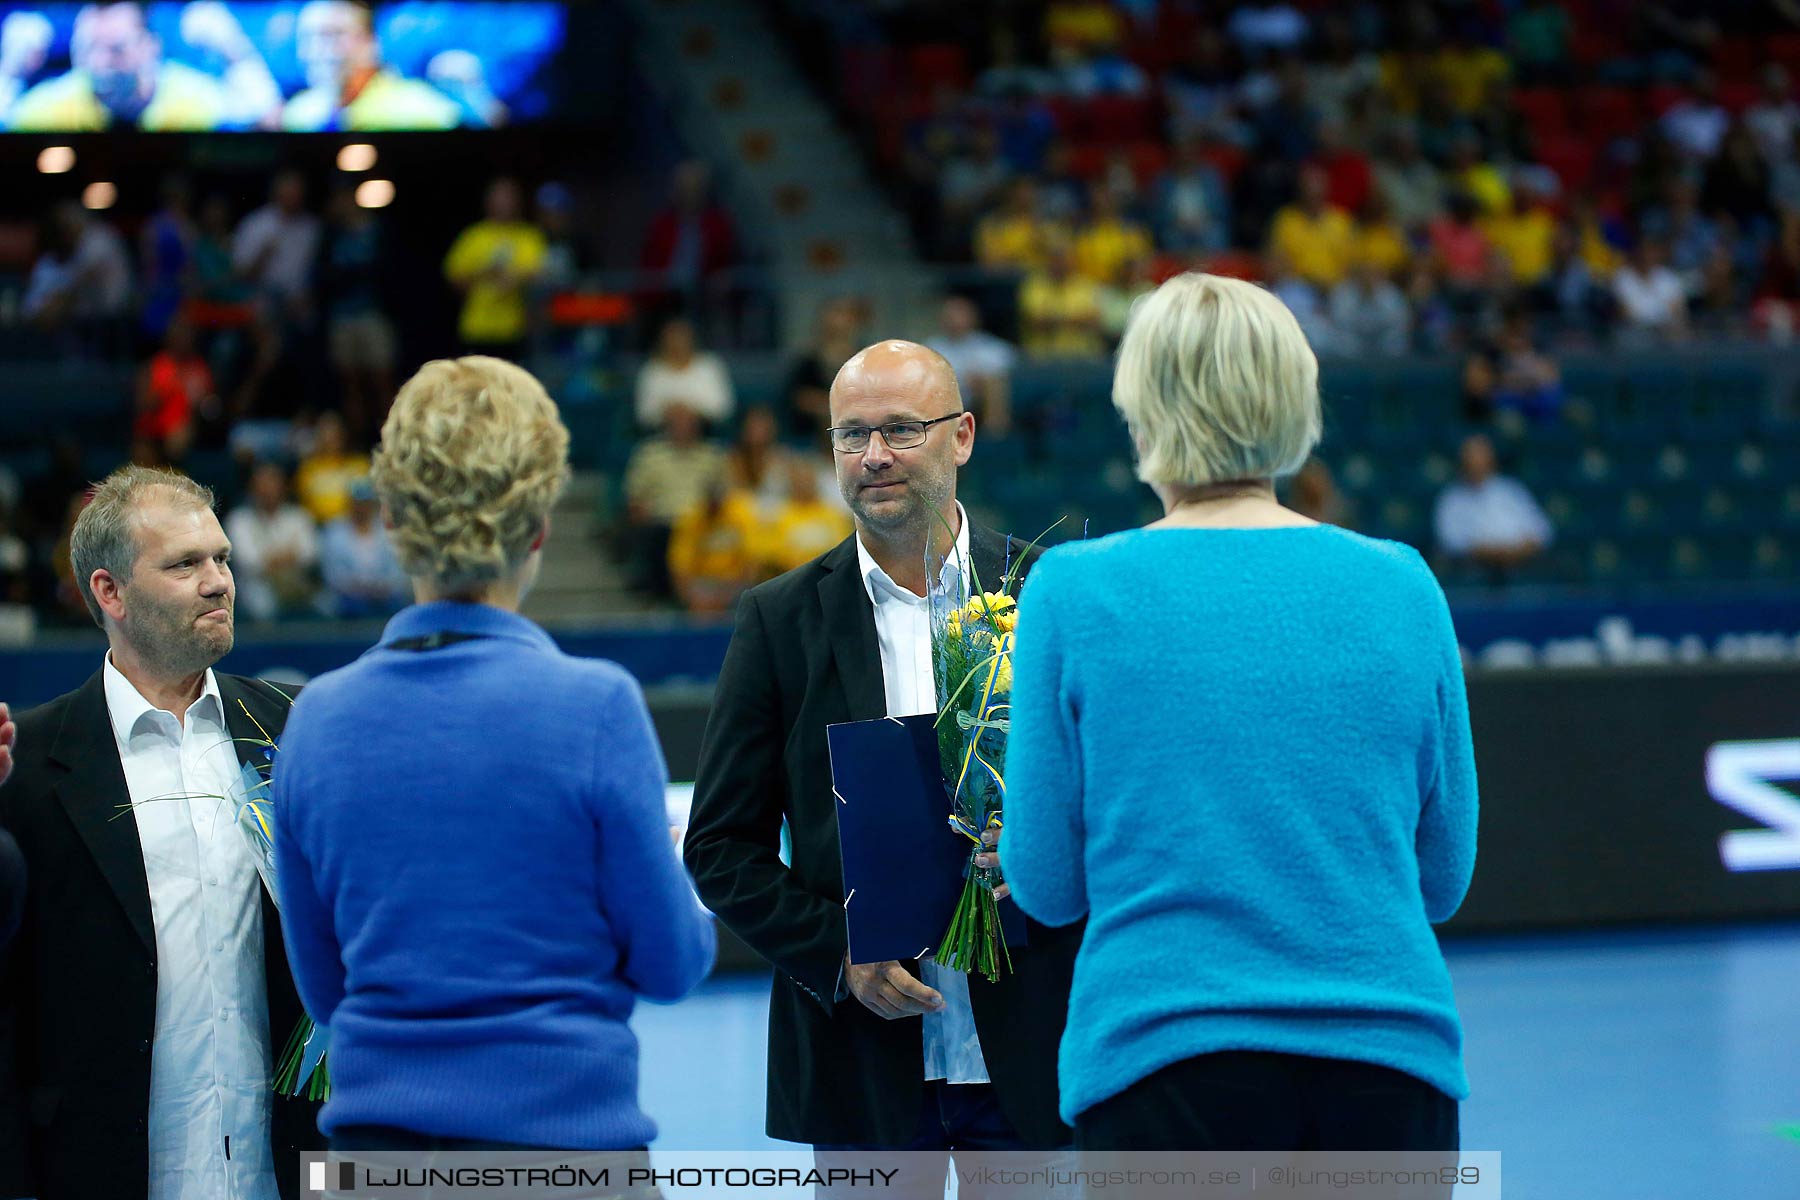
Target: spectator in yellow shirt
x: 1526, y: 238
x: 807, y: 524
x: 1316, y: 238
x: 1380, y: 242
x: 712, y: 550
x: 1108, y: 239
x: 1483, y: 182
x: 1596, y: 249
x: 324, y: 477
x: 1060, y: 310
x: 1404, y: 71
x: 1078, y: 26
x: 1014, y: 237
x: 1469, y: 71
x: 493, y: 262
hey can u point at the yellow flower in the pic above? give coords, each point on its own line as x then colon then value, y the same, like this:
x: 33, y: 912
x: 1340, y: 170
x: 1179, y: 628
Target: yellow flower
x: 1003, y: 677
x: 953, y: 625
x: 1007, y: 621
x: 988, y: 604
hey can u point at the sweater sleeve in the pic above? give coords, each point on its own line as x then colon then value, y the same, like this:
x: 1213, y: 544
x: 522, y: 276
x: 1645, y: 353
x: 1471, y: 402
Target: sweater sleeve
x: 306, y: 926
x: 665, y: 940
x: 1445, y: 841
x: 1043, y: 841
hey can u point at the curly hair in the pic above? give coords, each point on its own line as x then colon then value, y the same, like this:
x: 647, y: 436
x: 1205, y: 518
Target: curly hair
x: 472, y: 459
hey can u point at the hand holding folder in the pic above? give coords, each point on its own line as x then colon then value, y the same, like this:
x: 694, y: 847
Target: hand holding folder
x: 903, y: 864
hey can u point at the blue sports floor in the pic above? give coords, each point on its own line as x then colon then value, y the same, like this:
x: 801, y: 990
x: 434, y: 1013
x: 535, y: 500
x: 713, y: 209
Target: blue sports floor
x: 1606, y: 1066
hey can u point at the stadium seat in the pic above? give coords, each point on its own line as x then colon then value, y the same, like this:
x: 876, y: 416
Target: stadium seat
x: 1542, y: 109
x: 1608, y: 112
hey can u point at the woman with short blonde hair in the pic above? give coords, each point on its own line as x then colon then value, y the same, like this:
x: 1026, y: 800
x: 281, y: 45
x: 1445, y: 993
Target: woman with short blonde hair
x: 1217, y: 384
x: 476, y: 875
x: 1240, y: 749
x: 472, y: 459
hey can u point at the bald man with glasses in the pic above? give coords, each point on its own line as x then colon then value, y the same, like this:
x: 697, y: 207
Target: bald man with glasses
x: 896, y: 1055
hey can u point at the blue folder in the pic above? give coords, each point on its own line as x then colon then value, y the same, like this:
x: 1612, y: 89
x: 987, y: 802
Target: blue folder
x: 903, y: 864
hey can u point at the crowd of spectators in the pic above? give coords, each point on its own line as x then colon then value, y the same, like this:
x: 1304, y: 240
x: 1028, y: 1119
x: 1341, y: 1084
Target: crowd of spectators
x: 1406, y: 174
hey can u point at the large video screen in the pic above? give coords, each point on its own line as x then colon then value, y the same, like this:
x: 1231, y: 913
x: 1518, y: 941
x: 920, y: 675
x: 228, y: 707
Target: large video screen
x: 310, y: 67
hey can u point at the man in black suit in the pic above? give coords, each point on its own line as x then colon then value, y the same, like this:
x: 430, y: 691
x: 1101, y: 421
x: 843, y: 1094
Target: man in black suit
x: 138, y: 1003
x: 890, y: 1055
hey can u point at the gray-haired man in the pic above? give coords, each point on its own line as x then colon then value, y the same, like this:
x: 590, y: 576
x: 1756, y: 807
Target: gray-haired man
x: 138, y: 1001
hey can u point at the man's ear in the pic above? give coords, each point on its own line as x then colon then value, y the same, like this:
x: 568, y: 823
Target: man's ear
x: 108, y: 593
x: 537, y: 543
x: 965, y: 438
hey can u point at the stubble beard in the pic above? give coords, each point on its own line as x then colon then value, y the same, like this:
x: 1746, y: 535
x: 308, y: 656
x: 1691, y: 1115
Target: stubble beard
x: 174, y: 647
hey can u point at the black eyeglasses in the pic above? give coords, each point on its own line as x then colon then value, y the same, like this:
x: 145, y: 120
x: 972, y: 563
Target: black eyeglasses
x: 899, y: 435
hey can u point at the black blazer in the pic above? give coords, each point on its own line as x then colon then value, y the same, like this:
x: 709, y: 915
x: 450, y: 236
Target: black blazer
x: 12, y: 888
x: 78, y: 997
x: 804, y: 655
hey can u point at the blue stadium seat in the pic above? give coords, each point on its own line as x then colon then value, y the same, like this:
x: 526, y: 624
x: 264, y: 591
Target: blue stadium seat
x: 1775, y: 556
x: 1347, y: 394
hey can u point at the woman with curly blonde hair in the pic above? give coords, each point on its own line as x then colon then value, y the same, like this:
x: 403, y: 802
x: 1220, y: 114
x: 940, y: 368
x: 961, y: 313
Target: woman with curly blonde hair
x: 474, y: 859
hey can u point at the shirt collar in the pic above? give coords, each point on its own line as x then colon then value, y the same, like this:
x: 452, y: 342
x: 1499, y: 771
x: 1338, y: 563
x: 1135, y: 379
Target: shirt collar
x: 127, y: 706
x: 881, y: 586
x: 456, y: 616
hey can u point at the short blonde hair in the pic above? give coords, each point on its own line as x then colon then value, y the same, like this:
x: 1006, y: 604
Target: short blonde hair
x: 1217, y: 384
x: 472, y: 459
x: 105, y: 537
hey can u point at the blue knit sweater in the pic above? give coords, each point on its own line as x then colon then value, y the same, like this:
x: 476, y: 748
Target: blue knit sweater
x: 1244, y: 755
x: 477, y: 882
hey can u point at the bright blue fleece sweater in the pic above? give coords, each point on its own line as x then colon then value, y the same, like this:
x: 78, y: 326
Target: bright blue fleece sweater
x: 1244, y: 756
x: 477, y: 882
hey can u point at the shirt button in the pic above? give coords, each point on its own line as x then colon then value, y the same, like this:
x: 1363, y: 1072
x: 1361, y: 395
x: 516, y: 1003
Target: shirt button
x: 144, y: 1046
x: 213, y: 882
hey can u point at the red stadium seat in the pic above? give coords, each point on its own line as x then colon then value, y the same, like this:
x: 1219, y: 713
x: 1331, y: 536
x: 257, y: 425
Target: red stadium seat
x: 1228, y: 160
x: 1738, y: 95
x: 1236, y: 264
x: 1571, y: 157
x: 1662, y: 97
x: 1071, y: 117
x: 1543, y: 109
x: 1087, y: 160
x: 1148, y: 161
x: 1592, y: 46
x: 938, y: 63
x: 1121, y: 118
x: 1604, y: 113
x: 1785, y: 48
x: 1736, y: 58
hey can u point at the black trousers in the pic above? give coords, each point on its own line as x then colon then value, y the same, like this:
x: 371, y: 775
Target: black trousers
x: 1241, y: 1100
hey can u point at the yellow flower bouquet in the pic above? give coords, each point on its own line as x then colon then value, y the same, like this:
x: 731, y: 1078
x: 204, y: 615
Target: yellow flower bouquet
x: 971, y: 643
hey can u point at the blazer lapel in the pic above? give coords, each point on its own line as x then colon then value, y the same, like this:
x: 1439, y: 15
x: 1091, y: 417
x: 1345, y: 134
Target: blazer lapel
x: 94, y: 794
x: 850, y: 625
x: 988, y: 550
x: 252, y: 718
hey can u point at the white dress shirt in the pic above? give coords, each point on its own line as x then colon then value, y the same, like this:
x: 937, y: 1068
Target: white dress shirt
x: 210, y: 1075
x: 903, y: 630
x: 1497, y: 513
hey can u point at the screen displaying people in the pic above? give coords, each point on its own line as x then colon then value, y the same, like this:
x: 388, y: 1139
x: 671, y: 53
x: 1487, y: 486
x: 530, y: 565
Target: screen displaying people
x: 321, y: 65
